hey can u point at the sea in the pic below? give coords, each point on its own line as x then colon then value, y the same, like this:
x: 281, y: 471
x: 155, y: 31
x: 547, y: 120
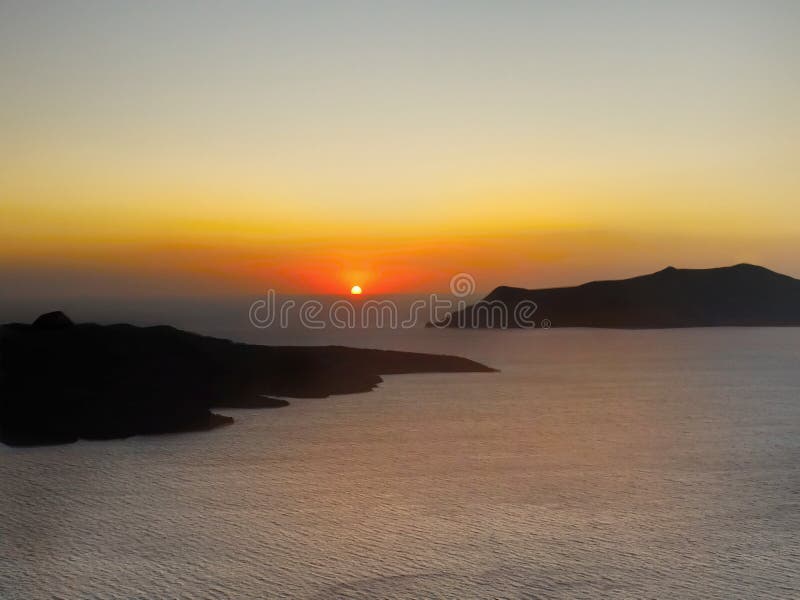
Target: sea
x: 595, y: 464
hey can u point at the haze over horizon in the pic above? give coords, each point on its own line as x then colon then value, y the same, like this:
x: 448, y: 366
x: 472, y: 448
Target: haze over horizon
x: 201, y: 148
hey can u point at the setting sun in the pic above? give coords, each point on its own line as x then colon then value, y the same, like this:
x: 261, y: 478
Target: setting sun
x: 187, y: 190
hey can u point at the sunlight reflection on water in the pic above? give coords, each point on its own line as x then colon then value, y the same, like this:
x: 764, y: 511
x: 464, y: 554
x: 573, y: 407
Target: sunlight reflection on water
x: 596, y: 464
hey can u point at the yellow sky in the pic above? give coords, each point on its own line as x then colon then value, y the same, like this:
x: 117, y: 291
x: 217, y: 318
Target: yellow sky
x: 195, y: 148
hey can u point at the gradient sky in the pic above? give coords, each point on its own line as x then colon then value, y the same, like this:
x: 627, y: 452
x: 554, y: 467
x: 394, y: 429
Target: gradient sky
x: 207, y: 147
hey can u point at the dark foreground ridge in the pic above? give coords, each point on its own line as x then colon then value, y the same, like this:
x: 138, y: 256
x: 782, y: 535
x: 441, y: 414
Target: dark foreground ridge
x: 741, y: 295
x: 60, y: 382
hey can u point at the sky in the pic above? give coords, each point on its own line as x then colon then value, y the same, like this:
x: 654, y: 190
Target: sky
x: 169, y: 148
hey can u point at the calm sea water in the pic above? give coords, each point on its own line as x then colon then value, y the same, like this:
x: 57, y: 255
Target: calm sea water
x: 597, y: 464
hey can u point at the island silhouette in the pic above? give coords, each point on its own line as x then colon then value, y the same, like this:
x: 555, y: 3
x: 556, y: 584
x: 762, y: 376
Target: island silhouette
x: 60, y: 381
x: 740, y: 295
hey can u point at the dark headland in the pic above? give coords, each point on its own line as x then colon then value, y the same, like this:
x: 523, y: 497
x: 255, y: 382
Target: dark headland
x: 741, y: 295
x: 60, y: 381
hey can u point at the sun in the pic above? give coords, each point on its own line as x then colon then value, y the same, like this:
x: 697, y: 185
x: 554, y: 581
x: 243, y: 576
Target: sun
x: 355, y: 290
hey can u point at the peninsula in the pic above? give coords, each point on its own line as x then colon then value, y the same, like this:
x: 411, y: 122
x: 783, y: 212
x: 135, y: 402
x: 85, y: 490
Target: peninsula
x: 60, y: 381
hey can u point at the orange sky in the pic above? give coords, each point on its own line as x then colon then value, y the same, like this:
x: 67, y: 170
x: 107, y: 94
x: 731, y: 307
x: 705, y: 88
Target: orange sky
x: 225, y: 150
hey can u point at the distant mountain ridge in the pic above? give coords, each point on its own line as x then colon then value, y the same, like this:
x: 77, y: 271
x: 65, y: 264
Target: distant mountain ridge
x: 739, y: 295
